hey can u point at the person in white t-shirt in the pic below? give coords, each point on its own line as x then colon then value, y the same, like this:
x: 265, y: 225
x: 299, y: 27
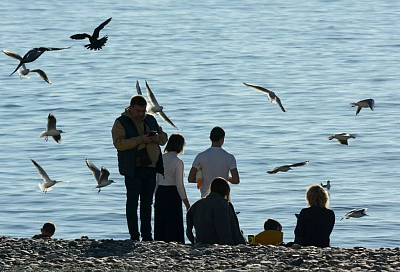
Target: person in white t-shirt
x: 214, y: 162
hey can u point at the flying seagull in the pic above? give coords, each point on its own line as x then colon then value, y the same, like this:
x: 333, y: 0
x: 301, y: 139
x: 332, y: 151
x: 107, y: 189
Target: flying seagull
x: 46, y: 185
x: 51, y: 129
x: 32, y: 55
x: 342, y: 137
x: 23, y: 71
x: 155, y: 108
x: 287, y: 167
x: 366, y: 103
x: 271, y: 95
x: 356, y: 213
x: 327, y: 185
x: 95, y: 42
x: 139, y: 91
x: 101, y: 177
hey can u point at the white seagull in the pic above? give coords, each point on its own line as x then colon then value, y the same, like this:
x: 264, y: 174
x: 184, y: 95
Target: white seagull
x: 139, y: 91
x: 356, y: 213
x: 33, y: 54
x: 101, y: 177
x: 366, y: 103
x: 46, y: 185
x: 51, y: 129
x: 286, y: 167
x: 342, y: 137
x: 23, y: 71
x: 327, y: 185
x: 271, y: 95
x: 155, y: 108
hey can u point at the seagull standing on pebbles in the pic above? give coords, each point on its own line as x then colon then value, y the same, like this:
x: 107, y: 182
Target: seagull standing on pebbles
x: 95, y: 42
x: 342, y: 137
x: 327, y: 185
x: 356, y: 213
x: 101, y: 177
x: 271, y: 95
x: 287, y: 167
x: 23, y: 71
x: 155, y: 108
x: 51, y: 129
x: 366, y: 103
x: 46, y: 185
x: 32, y: 55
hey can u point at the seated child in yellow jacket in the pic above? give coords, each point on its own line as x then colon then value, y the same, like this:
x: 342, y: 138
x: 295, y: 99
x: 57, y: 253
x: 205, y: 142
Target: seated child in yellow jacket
x: 272, y: 234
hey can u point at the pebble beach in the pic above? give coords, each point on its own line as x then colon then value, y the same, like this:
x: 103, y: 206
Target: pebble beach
x: 84, y: 254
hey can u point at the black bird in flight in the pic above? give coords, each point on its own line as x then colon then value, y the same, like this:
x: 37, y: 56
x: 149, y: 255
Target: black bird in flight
x: 33, y: 54
x: 95, y: 42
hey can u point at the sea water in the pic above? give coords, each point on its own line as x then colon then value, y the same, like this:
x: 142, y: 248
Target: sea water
x: 317, y: 56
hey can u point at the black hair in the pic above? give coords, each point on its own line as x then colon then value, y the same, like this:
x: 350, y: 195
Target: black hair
x: 216, y: 134
x: 220, y: 185
x: 139, y: 100
x: 175, y: 143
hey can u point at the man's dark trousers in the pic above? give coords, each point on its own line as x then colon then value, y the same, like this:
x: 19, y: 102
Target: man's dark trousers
x: 142, y: 186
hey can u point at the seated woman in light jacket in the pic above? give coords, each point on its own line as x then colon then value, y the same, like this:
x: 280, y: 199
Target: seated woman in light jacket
x: 214, y: 218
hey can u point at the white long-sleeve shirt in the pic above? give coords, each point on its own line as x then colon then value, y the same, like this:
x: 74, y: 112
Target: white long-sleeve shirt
x: 174, y: 173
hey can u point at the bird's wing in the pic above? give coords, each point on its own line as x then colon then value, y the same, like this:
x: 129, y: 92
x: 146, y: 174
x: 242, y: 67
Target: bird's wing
x: 53, y: 48
x: 151, y: 96
x: 42, y: 74
x: 139, y: 91
x: 371, y: 103
x: 51, y: 122
x: 298, y: 164
x: 258, y: 88
x: 343, y: 141
x: 358, y: 110
x: 166, y: 119
x: 278, y: 101
x: 96, y: 32
x: 12, y: 55
x: 104, y: 174
x: 94, y: 169
x: 42, y: 173
x: 80, y: 36
x: 57, y: 138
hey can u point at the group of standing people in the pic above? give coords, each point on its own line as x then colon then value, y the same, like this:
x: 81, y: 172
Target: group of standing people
x: 148, y: 171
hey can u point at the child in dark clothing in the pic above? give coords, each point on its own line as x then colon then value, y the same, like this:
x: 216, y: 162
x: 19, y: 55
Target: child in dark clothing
x: 47, y: 230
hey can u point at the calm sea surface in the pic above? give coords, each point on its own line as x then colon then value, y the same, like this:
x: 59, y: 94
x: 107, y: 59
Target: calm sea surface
x: 318, y: 56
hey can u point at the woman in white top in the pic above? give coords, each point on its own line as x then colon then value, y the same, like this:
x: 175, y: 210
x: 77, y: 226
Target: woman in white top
x: 170, y: 193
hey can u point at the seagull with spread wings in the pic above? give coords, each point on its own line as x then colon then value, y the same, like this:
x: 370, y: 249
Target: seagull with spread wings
x: 32, y: 55
x: 355, y: 213
x: 366, y: 103
x: 51, y: 129
x: 155, y: 108
x: 271, y: 95
x: 101, y: 176
x: 48, y: 182
x: 23, y: 71
x: 95, y: 42
x: 286, y: 167
x: 342, y: 137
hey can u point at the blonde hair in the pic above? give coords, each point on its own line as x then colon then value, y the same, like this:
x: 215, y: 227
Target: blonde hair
x: 316, y: 196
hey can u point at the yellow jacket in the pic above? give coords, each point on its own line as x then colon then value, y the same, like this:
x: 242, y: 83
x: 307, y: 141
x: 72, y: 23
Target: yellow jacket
x: 121, y: 143
x: 269, y: 237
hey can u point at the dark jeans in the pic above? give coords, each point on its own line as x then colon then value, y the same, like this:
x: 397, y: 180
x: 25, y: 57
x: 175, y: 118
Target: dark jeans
x: 143, y: 185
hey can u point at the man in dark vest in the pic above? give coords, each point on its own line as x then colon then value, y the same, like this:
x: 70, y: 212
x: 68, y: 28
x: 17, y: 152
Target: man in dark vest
x: 137, y: 138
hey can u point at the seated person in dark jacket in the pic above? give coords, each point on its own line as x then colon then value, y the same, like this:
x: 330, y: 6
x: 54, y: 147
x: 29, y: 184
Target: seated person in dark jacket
x: 272, y: 234
x: 315, y: 223
x: 214, y: 218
